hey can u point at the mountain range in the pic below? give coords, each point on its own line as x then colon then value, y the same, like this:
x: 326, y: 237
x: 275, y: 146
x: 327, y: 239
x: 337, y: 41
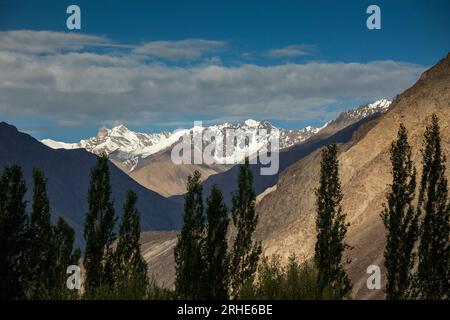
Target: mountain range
x: 146, y: 156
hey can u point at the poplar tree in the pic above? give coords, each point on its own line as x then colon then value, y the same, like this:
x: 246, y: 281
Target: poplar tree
x: 400, y: 220
x: 130, y: 266
x: 188, y: 252
x: 331, y: 227
x: 98, y: 229
x: 216, y: 275
x: 433, y: 273
x: 63, y: 255
x: 50, y: 249
x: 40, y: 232
x: 13, y: 234
x: 246, y: 252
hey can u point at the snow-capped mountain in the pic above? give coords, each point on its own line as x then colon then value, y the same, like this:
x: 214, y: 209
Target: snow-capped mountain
x: 368, y: 109
x: 354, y: 115
x: 119, y: 138
x: 252, y: 136
x: 127, y: 148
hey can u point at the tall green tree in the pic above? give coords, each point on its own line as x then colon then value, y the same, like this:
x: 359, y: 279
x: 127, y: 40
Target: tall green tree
x: 63, y: 255
x: 216, y: 274
x: 331, y: 229
x: 40, y: 234
x: 13, y: 234
x: 400, y: 220
x: 99, y: 229
x: 246, y: 252
x: 434, y: 264
x: 189, y: 260
x: 130, y: 266
x: 50, y: 249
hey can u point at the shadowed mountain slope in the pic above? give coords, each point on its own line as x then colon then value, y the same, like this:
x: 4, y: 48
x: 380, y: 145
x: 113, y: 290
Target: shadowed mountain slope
x: 68, y: 174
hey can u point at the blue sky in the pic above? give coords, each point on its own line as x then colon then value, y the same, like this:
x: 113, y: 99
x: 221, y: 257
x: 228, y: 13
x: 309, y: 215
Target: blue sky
x: 159, y: 65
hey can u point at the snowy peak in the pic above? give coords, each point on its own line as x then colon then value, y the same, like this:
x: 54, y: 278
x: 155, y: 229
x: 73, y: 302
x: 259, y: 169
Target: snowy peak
x: 382, y: 104
x: 251, y: 123
x: 119, y: 138
x: 354, y: 115
x: 369, y: 109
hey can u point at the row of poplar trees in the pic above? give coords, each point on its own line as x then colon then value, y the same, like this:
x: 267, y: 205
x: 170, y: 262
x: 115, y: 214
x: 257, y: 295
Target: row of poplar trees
x: 417, y: 252
x: 114, y: 265
x: 35, y: 253
x: 205, y: 267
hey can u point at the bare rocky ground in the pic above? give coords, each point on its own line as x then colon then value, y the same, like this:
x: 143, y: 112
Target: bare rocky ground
x: 157, y: 250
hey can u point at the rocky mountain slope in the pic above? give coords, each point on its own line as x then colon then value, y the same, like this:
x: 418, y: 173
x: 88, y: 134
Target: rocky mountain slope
x: 287, y: 214
x: 159, y: 173
x: 354, y: 115
x: 157, y: 250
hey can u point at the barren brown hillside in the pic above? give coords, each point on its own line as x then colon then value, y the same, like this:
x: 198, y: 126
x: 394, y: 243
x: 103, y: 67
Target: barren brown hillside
x: 157, y: 249
x: 287, y: 215
x: 160, y: 174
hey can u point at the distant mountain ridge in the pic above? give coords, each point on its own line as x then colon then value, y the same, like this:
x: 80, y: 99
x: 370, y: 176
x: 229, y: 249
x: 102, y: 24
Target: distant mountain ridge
x: 351, y: 116
x: 128, y: 147
x: 68, y: 174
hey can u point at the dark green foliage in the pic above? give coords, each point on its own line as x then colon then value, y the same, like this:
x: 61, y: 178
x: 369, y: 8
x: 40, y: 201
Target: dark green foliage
x: 274, y: 281
x: 40, y: 234
x: 245, y: 255
x: 189, y: 261
x: 156, y: 292
x: 35, y: 254
x: 400, y: 220
x: 331, y: 228
x: 433, y: 274
x: 98, y: 229
x: 13, y: 234
x: 216, y: 274
x: 130, y: 267
x: 50, y: 249
x: 62, y: 256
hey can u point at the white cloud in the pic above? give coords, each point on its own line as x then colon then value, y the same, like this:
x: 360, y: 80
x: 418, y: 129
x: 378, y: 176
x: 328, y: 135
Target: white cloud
x: 291, y: 51
x: 91, y: 88
x: 28, y: 41
x: 190, y: 49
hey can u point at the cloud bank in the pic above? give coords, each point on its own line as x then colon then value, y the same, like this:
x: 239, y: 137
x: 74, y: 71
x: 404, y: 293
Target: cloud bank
x: 50, y: 74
